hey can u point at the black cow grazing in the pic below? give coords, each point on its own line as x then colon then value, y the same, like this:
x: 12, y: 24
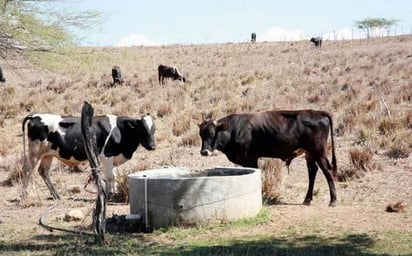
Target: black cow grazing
x: 169, y: 72
x: 253, y: 37
x: 117, y: 75
x: 243, y: 138
x: 2, y: 78
x: 117, y: 138
x: 317, y: 41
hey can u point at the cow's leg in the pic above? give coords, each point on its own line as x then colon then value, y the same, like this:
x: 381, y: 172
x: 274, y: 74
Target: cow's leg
x: 109, y: 174
x: 44, y: 169
x: 312, y: 170
x: 27, y: 171
x: 328, y: 172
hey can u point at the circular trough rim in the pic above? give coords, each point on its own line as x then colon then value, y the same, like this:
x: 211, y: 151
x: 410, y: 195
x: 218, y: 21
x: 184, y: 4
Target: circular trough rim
x: 188, y: 171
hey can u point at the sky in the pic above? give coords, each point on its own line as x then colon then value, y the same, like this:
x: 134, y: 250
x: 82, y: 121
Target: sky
x: 164, y: 22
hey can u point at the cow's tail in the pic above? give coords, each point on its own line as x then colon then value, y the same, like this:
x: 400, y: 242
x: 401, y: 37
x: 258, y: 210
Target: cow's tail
x: 334, y: 164
x: 27, y: 118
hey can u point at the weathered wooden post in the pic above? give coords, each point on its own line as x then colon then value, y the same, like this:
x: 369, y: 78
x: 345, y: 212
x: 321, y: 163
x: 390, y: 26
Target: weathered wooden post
x: 89, y: 137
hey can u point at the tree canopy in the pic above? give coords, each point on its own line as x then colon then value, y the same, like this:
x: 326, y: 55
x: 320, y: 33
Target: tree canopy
x: 35, y: 25
x: 371, y: 25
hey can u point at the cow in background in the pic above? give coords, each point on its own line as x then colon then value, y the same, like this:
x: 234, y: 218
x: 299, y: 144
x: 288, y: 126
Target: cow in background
x: 317, y: 41
x: 2, y: 78
x: 253, y: 37
x: 117, y: 75
x: 244, y: 138
x: 49, y: 136
x: 169, y: 72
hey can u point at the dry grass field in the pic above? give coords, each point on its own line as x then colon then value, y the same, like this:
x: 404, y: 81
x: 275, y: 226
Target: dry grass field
x: 366, y: 86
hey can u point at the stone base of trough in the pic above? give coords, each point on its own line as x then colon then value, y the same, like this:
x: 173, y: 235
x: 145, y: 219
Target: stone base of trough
x: 179, y: 196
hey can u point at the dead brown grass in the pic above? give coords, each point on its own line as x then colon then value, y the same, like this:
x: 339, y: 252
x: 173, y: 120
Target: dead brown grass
x: 365, y: 85
x: 272, y: 179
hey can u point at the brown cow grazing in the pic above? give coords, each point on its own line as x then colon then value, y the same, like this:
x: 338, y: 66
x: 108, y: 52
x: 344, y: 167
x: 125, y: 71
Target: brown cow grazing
x: 243, y: 138
x: 317, y: 41
x: 169, y: 72
x: 117, y: 75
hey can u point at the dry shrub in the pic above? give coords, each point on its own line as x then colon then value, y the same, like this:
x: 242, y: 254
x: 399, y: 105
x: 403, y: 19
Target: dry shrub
x: 180, y: 125
x: 398, y: 150
x: 15, y: 169
x: 388, y: 126
x: 190, y: 140
x: 361, y: 158
x: 122, y: 181
x: 407, y: 120
x: 349, y: 173
x: 164, y: 110
x: 361, y: 162
x: 397, y: 207
x: 272, y: 179
x: 247, y: 80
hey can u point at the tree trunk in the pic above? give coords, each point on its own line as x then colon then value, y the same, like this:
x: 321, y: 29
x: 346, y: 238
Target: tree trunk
x: 89, y: 138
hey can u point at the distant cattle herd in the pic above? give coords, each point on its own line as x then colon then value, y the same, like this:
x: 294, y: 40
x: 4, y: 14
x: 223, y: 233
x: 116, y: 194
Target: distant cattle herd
x: 243, y: 138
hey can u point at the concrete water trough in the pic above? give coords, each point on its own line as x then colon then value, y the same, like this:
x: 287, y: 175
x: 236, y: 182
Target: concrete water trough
x: 180, y: 196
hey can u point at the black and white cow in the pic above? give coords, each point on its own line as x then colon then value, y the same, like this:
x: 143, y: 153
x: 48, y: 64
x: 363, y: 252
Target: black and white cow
x: 246, y: 137
x: 49, y: 136
x: 117, y: 75
x: 169, y: 72
x: 2, y: 78
x: 317, y: 41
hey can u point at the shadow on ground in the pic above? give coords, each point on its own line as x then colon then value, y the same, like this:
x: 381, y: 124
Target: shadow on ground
x: 135, y: 244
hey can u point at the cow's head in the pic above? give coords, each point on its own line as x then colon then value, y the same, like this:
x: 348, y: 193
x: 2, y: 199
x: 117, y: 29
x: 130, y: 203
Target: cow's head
x: 213, y: 136
x: 177, y: 75
x: 146, y: 130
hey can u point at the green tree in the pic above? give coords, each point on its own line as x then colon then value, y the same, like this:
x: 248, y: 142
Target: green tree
x: 40, y: 25
x: 370, y: 25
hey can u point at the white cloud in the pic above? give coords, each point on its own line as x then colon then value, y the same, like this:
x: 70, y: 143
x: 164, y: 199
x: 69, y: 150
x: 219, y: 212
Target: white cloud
x: 281, y: 34
x: 135, y: 39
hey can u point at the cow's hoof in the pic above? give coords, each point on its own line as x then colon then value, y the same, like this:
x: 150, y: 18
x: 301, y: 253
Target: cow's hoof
x: 306, y: 202
x: 332, y: 204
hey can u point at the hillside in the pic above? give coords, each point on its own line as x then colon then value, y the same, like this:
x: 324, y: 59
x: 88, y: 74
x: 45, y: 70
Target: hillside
x: 366, y: 86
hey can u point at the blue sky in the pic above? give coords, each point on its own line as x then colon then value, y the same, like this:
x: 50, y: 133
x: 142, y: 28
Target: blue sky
x: 157, y: 22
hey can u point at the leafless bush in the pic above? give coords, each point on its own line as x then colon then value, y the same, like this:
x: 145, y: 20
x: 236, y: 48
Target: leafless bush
x: 361, y: 158
x: 190, y: 140
x: 400, y: 150
x: 122, y: 181
x: 388, y: 126
x: 180, y: 125
x: 272, y: 179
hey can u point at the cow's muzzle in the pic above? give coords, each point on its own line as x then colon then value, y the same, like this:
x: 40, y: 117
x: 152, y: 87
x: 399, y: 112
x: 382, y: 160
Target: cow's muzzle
x: 150, y: 146
x: 205, y: 152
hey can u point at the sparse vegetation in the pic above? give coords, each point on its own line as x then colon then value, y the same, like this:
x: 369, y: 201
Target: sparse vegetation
x: 365, y: 85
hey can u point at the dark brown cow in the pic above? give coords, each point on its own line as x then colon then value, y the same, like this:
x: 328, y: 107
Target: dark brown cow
x: 253, y: 37
x: 117, y: 75
x: 243, y: 138
x: 2, y: 78
x: 171, y: 72
x: 317, y: 41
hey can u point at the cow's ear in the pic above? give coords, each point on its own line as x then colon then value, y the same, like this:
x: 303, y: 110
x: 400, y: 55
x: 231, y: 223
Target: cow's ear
x: 223, y: 126
x: 132, y: 125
